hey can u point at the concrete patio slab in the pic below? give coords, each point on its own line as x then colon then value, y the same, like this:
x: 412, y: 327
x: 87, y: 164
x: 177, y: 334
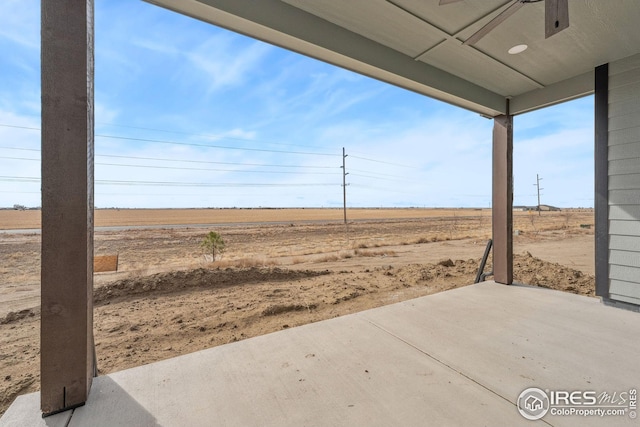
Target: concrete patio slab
x: 460, y: 357
x: 25, y: 411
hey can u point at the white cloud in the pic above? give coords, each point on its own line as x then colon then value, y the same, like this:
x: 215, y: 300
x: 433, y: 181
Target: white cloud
x: 223, y: 63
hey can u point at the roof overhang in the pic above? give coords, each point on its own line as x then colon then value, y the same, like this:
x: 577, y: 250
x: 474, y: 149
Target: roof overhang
x: 418, y: 45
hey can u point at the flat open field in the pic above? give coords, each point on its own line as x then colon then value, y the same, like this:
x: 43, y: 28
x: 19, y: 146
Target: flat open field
x: 13, y: 219
x: 282, y: 268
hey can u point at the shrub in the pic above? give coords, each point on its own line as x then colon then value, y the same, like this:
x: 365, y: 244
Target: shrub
x: 213, y: 243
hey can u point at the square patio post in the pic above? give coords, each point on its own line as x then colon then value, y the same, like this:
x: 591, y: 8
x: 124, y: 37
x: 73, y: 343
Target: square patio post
x: 66, y: 331
x: 601, y: 164
x: 502, y: 203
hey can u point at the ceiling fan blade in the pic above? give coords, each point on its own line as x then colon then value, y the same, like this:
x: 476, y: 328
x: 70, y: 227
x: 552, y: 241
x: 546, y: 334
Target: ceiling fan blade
x: 493, y: 23
x: 556, y: 17
x: 442, y: 2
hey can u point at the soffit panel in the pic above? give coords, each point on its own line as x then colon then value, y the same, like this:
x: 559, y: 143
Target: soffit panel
x: 474, y: 66
x: 599, y: 33
x: 377, y: 20
x: 454, y: 17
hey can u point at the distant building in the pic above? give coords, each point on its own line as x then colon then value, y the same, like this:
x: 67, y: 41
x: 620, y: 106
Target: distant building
x: 546, y: 208
x: 549, y: 208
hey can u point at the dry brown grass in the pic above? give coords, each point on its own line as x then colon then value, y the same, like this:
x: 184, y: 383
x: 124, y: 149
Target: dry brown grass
x: 30, y: 219
x: 360, y: 252
x: 13, y: 219
x: 326, y: 258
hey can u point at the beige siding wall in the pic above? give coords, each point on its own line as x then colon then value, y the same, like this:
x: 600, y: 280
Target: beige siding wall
x: 624, y: 179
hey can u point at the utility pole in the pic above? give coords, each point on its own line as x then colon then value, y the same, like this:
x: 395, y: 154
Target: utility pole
x: 344, y: 184
x: 537, y: 184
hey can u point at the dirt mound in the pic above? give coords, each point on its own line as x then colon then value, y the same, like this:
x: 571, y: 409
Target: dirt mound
x: 526, y: 269
x: 145, y: 319
x: 14, y: 316
x: 534, y: 271
x: 448, y: 268
x: 178, y: 281
x: 276, y: 309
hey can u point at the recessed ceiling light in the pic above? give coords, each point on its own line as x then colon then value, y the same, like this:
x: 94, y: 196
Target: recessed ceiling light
x: 518, y: 49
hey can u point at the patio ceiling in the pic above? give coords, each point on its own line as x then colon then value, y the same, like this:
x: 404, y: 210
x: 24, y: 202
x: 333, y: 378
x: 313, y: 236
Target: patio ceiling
x: 418, y: 44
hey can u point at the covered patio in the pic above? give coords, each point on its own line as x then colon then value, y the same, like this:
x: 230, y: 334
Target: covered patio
x: 460, y: 357
x: 478, y: 346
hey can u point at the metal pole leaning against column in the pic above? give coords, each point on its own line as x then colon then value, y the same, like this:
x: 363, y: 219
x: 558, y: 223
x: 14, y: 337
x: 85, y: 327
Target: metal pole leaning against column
x: 66, y: 332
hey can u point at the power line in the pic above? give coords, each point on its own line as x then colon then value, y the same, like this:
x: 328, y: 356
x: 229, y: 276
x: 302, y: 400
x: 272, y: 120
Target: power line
x: 172, y: 183
x: 159, y: 141
x: 207, y: 184
x: 100, y: 193
x: 375, y: 173
x: 217, y: 170
x: 191, y: 169
x: 364, y: 174
x: 223, y: 147
x: 377, y: 177
x: 185, y: 160
x: 214, y: 163
x: 18, y: 158
x: 18, y: 127
x: 382, y: 161
x: 20, y: 192
x: 19, y: 148
x: 235, y: 138
x: 19, y: 179
x: 367, y: 175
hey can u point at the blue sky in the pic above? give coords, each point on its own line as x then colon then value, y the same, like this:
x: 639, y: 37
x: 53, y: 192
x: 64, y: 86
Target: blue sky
x: 191, y: 115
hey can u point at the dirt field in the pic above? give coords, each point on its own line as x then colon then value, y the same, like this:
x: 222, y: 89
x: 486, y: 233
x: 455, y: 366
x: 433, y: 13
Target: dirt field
x: 12, y: 219
x: 301, y: 266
